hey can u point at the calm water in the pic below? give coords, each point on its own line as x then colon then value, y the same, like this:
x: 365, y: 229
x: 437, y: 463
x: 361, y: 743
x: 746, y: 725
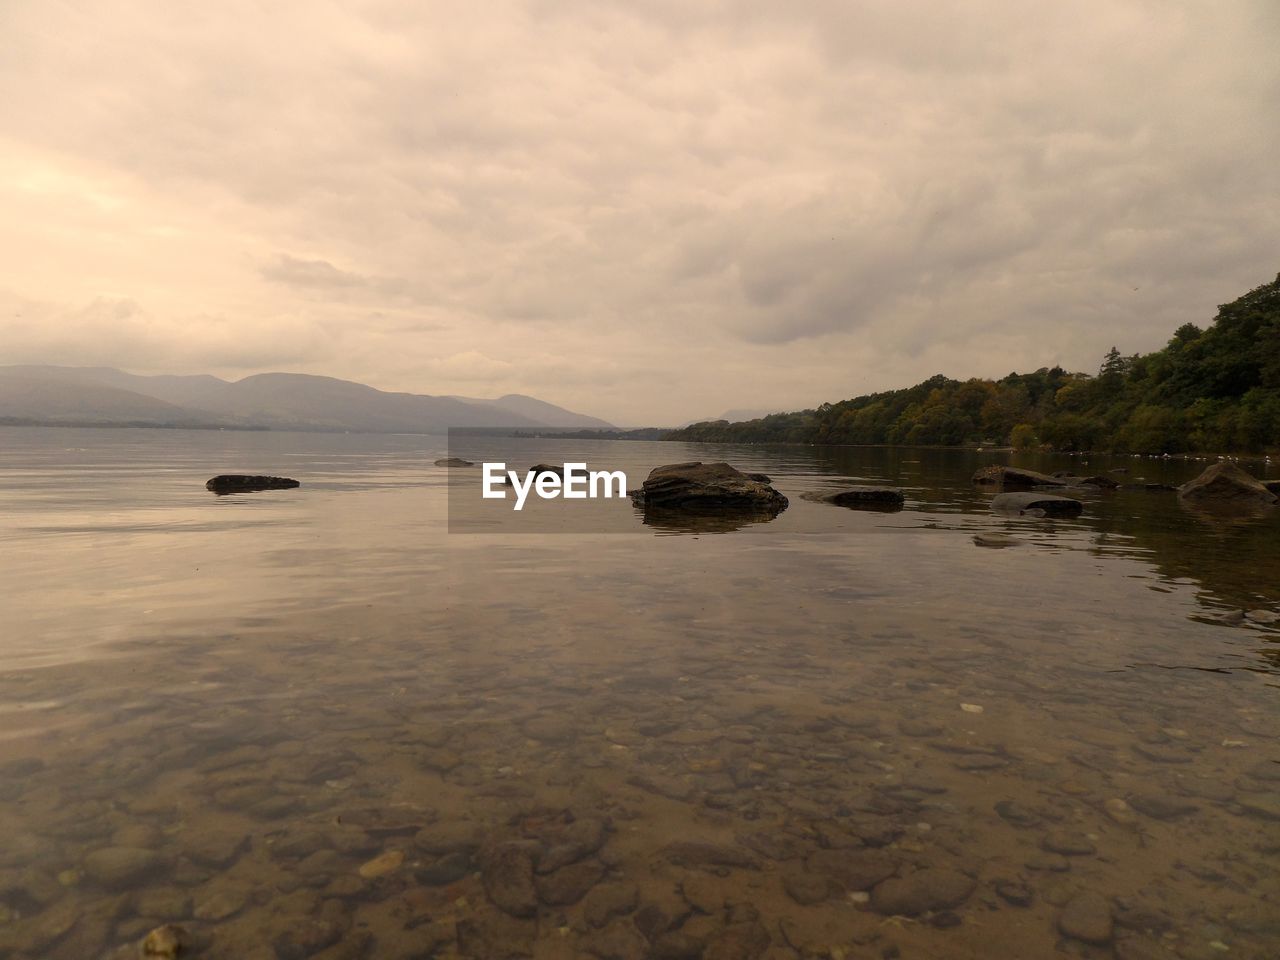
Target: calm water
x: 313, y: 723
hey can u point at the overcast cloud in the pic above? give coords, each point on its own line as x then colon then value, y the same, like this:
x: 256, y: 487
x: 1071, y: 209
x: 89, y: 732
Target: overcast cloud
x: 646, y: 211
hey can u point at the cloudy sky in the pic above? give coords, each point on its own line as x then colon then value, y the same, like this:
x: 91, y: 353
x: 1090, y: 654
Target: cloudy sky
x: 648, y: 211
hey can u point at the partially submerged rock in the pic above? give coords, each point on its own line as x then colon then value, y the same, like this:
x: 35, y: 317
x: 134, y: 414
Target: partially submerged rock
x: 1224, y: 486
x: 1036, y: 505
x: 708, y: 486
x: 243, y: 483
x: 1004, y: 476
x: 861, y: 498
x: 454, y: 462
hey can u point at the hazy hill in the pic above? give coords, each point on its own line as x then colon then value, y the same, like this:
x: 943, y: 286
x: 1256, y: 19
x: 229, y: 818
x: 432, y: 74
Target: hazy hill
x: 44, y: 399
x: 273, y: 400
x: 541, y: 411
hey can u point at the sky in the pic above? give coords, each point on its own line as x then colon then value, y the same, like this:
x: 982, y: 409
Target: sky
x: 650, y: 211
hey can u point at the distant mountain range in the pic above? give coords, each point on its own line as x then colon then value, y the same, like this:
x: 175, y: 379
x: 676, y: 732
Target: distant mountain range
x: 274, y: 401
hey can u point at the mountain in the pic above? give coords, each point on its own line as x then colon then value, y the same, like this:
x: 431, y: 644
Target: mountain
x: 540, y: 410
x: 25, y: 398
x: 282, y: 401
x: 1214, y: 390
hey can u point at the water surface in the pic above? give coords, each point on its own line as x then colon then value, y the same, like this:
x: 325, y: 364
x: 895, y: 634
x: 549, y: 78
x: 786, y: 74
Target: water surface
x: 313, y: 722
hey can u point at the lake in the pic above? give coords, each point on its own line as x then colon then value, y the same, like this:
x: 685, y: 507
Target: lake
x: 316, y: 723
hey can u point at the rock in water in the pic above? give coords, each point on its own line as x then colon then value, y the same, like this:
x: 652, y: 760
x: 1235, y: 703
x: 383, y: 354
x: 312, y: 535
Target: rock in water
x: 1036, y: 504
x: 862, y: 498
x: 934, y: 888
x: 166, y: 943
x: 1014, y: 477
x: 242, y: 483
x: 507, y: 874
x: 454, y: 462
x: 1087, y: 917
x: 1224, y: 486
x: 707, y: 486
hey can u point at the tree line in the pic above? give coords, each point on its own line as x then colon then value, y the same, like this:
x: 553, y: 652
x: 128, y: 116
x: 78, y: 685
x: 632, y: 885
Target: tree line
x: 1208, y: 390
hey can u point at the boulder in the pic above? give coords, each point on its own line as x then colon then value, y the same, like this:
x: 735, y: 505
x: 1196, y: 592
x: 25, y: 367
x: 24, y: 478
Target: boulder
x: 1015, y: 477
x: 1036, y: 505
x: 1224, y: 486
x: 1272, y: 485
x: 861, y: 498
x: 707, y: 486
x: 537, y: 470
x: 454, y: 462
x: 242, y: 483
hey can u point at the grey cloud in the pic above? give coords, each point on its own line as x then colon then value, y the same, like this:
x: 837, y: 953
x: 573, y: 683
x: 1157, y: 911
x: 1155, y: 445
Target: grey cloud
x: 645, y: 211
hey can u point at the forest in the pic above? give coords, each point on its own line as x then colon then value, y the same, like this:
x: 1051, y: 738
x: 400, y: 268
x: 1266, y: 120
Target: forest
x: 1209, y: 390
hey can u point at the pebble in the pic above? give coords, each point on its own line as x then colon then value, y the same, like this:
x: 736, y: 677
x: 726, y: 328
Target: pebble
x: 806, y: 889
x: 933, y: 888
x: 1071, y: 843
x: 166, y: 943
x: 220, y: 905
x: 609, y: 900
x: 1015, y: 813
x: 1119, y: 811
x: 120, y: 866
x: 382, y: 864
x: 971, y: 708
x: 1161, y: 806
x: 507, y: 874
x: 1087, y: 917
x: 1017, y: 894
x: 569, y: 884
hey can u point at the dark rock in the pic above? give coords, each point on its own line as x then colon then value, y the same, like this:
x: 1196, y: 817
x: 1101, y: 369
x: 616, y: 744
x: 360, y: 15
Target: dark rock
x: 1036, y: 504
x: 853, y: 870
x: 1070, y: 843
x: 698, y: 853
x: 450, y: 868
x: 507, y: 874
x: 740, y: 941
x: 242, y: 483
x: 308, y: 936
x: 712, y: 486
x: 1015, y: 813
x: 1272, y: 485
x: 1013, y: 477
x: 677, y: 945
x: 934, y: 888
x: 806, y: 888
x: 1161, y: 806
x: 569, y: 884
x: 454, y: 462
x: 1087, y: 917
x: 1105, y: 483
x: 1012, y: 892
x: 618, y: 941
x: 861, y: 498
x: 609, y: 900
x: 1224, y: 486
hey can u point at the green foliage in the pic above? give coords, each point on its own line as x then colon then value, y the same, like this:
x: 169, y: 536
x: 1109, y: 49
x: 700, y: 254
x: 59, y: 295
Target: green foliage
x: 1215, y: 390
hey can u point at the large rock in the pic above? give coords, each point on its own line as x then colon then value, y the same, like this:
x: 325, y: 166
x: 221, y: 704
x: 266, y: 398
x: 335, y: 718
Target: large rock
x: 861, y: 498
x: 1003, y: 476
x: 243, y: 483
x: 708, y: 486
x: 934, y: 888
x: 1087, y: 917
x: 1224, y: 486
x: 454, y: 462
x: 1036, y: 504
